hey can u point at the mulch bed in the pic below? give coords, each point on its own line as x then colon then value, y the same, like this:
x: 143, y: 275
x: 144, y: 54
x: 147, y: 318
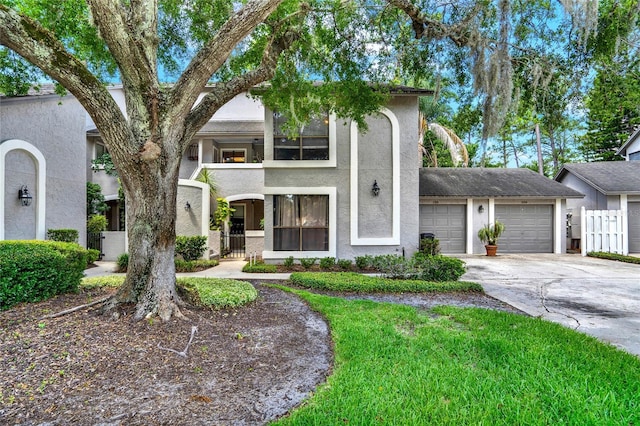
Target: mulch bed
x: 243, y: 367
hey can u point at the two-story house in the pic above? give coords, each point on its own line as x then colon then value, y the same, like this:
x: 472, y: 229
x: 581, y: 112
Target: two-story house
x: 331, y: 191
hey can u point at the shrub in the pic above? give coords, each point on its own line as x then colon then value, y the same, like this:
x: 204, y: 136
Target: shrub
x: 260, y: 267
x: 64, y: 235
x: 351, y: 281
x: 32, y: 271
x: 92, y: 256
x: 191, y: 248
x: 288, y: 262
x: 364, y: 262
x: 614, y: 256
x: 327, y: 262
x: 344, y: 264
x: 430, y: 246
x: 392, y: 266
x: 308, y: 262
x: 96, y: 223
x: 437, y: 268
x: 194, y: 265
x: 216, y: 293
x: 122, y: 262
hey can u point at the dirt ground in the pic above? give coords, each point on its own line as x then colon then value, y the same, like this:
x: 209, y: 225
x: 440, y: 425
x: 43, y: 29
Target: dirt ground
x: 242, y: 367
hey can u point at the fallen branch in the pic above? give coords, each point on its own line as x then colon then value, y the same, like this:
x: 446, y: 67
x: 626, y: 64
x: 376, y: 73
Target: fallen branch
x: 183, y: 353
x: 77, y: 308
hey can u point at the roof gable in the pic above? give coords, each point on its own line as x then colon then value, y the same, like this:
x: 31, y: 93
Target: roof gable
x: 490, y: 183
x: 608, y: 177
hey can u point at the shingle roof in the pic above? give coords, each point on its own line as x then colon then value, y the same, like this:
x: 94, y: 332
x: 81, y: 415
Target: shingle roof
x: 608, y: 177
x: 490, y: 183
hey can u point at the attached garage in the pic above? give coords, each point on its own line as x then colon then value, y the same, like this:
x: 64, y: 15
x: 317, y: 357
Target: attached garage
x: 634, y: 227
x: 528, y: 228
x: 448, y: 223
x: 456, y: 202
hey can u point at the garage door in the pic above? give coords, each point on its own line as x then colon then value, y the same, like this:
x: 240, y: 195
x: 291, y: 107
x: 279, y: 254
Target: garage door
x: 634, y: 227
x: 447, y: 221
x: 528, y: 228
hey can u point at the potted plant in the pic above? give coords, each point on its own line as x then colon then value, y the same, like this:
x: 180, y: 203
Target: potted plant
x: 489, y: 235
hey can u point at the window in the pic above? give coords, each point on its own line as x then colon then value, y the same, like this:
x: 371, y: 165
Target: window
x: 100, y: 150
x: 634, y: 156
x: 233, y: 156
x: 301, y: 223
x: 312, y: 142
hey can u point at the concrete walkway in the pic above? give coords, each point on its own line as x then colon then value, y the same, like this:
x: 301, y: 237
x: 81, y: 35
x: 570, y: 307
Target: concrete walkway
x: 595, y: 296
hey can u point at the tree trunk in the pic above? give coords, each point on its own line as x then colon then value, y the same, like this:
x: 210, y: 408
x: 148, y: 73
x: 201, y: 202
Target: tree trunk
x: 150, y: 194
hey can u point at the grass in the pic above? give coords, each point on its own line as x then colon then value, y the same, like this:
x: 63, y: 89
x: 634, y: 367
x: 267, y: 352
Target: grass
x: 352, y: 281
x: 395, y: 364
x: 215, y: 293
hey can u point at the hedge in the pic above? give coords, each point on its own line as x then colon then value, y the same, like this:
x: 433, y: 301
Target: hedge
x: 31, y: 271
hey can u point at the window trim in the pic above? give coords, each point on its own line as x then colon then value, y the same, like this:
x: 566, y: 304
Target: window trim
x: 326, y: 190
x: 269, y: 161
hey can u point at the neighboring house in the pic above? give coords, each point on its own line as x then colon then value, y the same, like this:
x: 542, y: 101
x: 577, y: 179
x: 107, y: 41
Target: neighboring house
x: 456, y: 202
x: 42, y: 150
x: 631, y: 149
x: 610, y: 185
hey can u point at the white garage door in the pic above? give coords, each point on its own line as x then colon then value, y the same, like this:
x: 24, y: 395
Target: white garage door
x: 447, y: 222
x: 528, y: 228
x: 634, y: 227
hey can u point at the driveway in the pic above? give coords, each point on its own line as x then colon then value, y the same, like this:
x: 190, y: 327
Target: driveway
x: 595, y: 296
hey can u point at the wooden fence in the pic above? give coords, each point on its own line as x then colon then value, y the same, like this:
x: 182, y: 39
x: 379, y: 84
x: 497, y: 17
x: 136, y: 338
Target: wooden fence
x: 604, y: 230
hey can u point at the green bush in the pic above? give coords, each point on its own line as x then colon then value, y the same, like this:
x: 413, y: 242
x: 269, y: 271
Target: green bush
x: 344, y: 264
x: 364, y: 262
x: 351, y: 281
x: 122, y: 262
x: 260, y: 267
x: 92, y: 256
x: 64, y: 235
x: 437, y: 268
x: 216, y: 293
x: 308, y: 262
x: 614, y: 256
x: 105, y: 281
x: 32, y: 271
x: 430, y: 246
x: 96, y: 223
x: 194, y: 265
x: 327, y: 262
x: 289, y: 261
x: 191, y: 248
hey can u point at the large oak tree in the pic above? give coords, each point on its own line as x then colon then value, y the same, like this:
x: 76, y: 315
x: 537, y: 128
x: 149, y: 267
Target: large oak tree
x: 350, y: 45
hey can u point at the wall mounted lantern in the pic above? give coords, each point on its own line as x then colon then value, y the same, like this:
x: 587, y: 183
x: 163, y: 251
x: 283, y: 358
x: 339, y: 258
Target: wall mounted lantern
x: 24, y: 196
x: 481, y: 209
x: 187, y: 206
x: 375, y: 189
x: 193, y: 152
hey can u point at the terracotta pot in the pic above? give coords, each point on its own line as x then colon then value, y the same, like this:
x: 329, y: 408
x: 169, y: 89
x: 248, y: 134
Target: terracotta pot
x: 491, y: 250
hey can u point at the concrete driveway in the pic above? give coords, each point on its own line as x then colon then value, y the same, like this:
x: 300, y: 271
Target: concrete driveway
x: 597, y: 297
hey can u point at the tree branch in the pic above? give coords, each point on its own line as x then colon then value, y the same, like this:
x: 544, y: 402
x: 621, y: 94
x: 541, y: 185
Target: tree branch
x: 39, y: 46
x: 216, y: 51
x: 224, y: 92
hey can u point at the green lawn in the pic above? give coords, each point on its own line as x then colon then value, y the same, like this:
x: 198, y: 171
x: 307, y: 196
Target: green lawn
x: 398, y: 365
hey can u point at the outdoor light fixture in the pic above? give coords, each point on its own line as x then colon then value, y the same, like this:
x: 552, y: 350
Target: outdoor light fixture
x: 24, y: 196
x: 375, y: 189
x: 481, y: 209
x: 187, y: 206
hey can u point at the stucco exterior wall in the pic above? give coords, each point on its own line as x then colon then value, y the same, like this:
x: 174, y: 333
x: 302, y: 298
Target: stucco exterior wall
x: 375, y: 214
x: 56, y: 127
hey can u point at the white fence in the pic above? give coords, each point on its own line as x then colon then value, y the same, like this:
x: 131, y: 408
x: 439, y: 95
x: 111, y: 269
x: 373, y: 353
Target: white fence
x: 604, y: 230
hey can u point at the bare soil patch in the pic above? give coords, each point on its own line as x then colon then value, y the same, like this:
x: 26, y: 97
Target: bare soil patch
x: 244, y: 367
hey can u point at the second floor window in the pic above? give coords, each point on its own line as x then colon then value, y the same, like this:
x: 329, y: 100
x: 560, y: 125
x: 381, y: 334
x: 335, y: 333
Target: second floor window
x: 311, y: 143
